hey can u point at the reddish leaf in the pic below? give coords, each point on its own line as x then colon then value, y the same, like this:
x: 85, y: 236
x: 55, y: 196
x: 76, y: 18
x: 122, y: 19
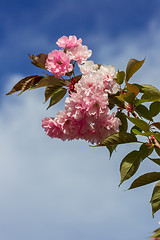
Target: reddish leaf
x: 39, y: 60
x: 49, y: 80
x: 156, y: 124
x: 25, y: 84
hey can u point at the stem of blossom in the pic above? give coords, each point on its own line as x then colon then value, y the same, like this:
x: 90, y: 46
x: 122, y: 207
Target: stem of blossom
x: 132, y: 112
x: 156, y: 143
x: 74, y: 74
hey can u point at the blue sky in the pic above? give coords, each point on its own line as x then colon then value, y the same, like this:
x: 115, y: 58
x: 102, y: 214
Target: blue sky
x: 51, y: 189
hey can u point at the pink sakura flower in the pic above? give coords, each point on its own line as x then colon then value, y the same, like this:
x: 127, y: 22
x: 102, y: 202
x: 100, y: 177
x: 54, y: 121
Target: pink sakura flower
x: 60, y: 127
x: 52, y: 128
x: 90, y: 84
x: 58, y: 63
x: 96, y: 107
x: 72, y: 41
x: 74, y: 106
x: 64, y: 127
x: 106, y: 126
x: 88, y: 66
x: 79, y: 54
x: 108, y: 73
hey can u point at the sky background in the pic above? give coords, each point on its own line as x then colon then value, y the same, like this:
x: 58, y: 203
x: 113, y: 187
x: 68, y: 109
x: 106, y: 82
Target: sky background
x: 50, y: 189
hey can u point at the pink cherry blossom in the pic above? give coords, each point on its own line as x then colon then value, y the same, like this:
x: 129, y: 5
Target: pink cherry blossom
x: 52, y: 128
x: 72, y: 41
x: 79, y: 54
x: 106, y: 126
x: 90, y: 84
x: 108, y: 73
x: 86, y: 115
x: 88, y: 66
x: 58, y: 63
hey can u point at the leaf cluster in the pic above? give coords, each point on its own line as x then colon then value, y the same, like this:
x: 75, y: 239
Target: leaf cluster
x: 143, y: 125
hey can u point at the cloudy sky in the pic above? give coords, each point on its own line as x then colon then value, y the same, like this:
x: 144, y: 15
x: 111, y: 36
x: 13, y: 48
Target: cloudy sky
x: 51, y: 189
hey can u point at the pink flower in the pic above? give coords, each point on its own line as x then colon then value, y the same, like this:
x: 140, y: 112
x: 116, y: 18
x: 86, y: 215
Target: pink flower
x: 90, y: 84
x: 65, y: 127
x: 52, y: 128
x: 72, y: 41
x: 88, y: 66
x: 105, y: 127
x: 58, y: 63
x: 79, y: 54
x: 108, y: 73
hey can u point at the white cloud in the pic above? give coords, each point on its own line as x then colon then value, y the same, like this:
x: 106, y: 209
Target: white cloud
x: 67, y: 190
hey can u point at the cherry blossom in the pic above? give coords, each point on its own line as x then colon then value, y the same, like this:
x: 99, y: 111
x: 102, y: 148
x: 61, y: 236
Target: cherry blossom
x: 80, y: 54
x: 58, y: 63
x: 69, y: 42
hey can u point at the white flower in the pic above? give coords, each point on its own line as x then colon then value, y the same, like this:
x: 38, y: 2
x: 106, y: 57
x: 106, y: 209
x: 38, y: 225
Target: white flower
x: 87, y: 67
x: 79, y: 53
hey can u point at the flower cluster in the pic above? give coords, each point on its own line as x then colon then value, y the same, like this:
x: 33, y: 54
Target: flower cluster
x: 86, y: 115
x: 58, y: 61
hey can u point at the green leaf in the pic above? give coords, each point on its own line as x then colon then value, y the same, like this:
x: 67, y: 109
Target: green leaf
x: 39, y: 60
x: 155, y: 160
x: 118, y: 138
x: 25, y: 84
x: 129, y: 165
x: 49, y: 80
x: 139, y: 123
x: 129, y: 97
x: 154, y: 108
x: 137, y: 102
x: 156, y: 234
x: 150, y: 93
x: 132, y: 67
x: 131, y: 162
x: 50, y: 91
x: 111, y: 149
x: 124, y: 124
x: 57, y: 95
x: 143, y: 112
x: 157, y: 230
x: 136, y: 130
x: 147, y: 88
x: 145, y: 150
x: 120, y: 77
x: 145, y: 179
x: 115, y: 100
x: 155, y: 199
